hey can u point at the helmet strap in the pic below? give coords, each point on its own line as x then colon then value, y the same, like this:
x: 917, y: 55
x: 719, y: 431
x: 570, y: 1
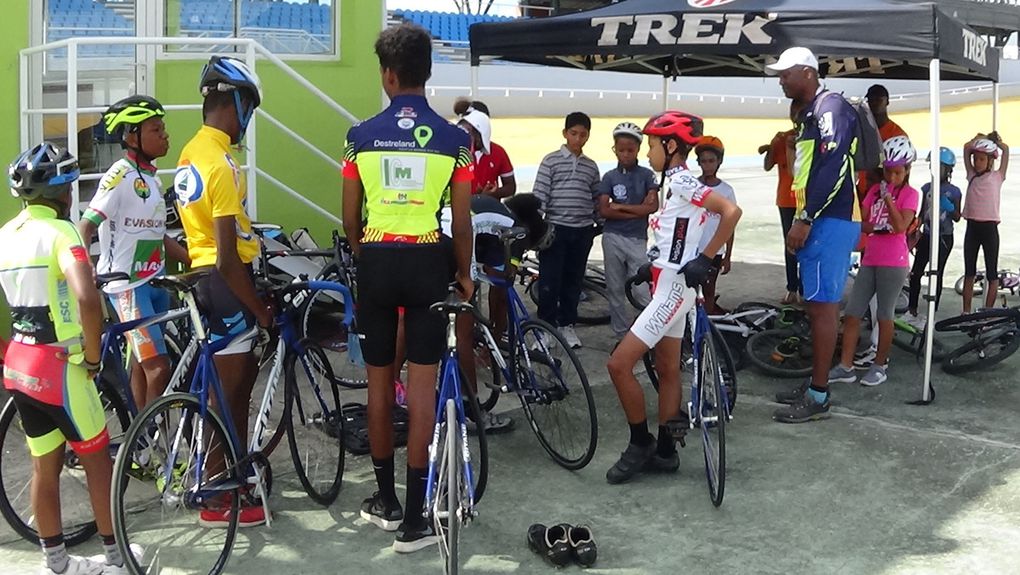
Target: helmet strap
x: 243, y: 117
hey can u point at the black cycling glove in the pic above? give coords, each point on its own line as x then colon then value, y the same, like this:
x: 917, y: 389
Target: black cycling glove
x: 697, y: 270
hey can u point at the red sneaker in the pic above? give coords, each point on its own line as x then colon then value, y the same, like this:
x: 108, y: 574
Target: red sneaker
x: 249, y: 516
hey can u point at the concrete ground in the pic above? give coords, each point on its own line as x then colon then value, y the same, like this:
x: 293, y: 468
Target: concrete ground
x: 881, y: 488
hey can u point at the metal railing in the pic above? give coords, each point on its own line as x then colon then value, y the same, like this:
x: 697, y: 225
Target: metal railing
x: 253, y: 51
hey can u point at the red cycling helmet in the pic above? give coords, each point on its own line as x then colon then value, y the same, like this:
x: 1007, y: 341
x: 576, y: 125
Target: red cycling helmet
x: 685, y: 127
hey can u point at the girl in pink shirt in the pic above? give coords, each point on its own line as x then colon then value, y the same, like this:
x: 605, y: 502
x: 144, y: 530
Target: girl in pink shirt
x: 981, y: 210
x: 888, y: 209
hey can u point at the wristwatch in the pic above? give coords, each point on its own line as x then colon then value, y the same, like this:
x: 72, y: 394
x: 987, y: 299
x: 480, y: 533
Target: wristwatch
x: 804, y: 217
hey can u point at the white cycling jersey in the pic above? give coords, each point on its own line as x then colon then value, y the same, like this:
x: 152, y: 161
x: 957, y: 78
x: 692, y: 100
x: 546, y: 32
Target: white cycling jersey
x: 130, y: 211
x: 680, y: 223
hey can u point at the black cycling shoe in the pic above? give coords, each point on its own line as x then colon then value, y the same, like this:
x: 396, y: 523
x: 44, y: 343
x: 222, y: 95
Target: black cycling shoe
x: 664, y: 463
x: 375, y: 511
x: 633, y: 460
x: 582, y: 545
x: 553, y: 543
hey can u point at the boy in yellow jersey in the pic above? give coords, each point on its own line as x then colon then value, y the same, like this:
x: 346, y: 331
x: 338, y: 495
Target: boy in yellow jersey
x: 211, y: 197
x: 57, y: 320
x: 397, y: 165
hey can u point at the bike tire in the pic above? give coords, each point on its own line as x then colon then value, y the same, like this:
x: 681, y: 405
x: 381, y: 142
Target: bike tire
x: 170, y: 425
x: 712, y: 416
x: 314, y: 423
x: 593, y: 307
x: 538, y: 399
x: 977, y: 320
x: 478, y: 443
x: 649, y: 360
x: 16, y: 474
x: 320, y: 316
x: 979, y: 284
x: 448, y: 494
x: 488, y: 373
x: 795, y: 360
x: 972, y: 355
x: 728, y: 366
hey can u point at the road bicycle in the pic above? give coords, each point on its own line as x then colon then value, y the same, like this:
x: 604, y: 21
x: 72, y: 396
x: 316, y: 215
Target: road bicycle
x: 993, y: 335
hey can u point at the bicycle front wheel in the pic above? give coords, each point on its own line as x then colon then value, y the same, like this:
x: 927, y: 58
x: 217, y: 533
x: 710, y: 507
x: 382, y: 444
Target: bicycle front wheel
x: 555, y: 395
x: 16, y: 474
x: 712, y: 414
x: 174, y: 462
x: 982, y: 353
x: 781, y: 352
x: 315, y: 432
x: 446, y: 511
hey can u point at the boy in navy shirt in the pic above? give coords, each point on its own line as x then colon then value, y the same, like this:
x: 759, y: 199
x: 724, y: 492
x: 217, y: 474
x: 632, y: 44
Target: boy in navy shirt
x: 626, y: 197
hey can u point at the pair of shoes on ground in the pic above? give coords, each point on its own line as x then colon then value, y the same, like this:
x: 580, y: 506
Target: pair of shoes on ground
x: 642, y: 458
x: 801, y: 406
x: 563, y: 543
x: 876, y: 374
x: 389, y: 517
x: 94, y: 565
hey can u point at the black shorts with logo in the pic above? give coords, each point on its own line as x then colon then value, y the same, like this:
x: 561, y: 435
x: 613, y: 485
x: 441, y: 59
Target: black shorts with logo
x: 413, y: 277
x: 225, y: 315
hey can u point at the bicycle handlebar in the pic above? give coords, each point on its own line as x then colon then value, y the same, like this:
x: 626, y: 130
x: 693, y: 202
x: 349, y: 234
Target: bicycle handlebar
x: 321, y: 285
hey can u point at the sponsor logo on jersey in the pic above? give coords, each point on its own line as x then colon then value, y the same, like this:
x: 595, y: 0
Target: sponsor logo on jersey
x: 63, y: 296
x: 406, y: 112
x: 679, y: 241
x: 148, y: 259
x: 405, y: 123
x: 189, y: 185
x: 142, y: 189
x: 404, y: 173
x: 144, y: 223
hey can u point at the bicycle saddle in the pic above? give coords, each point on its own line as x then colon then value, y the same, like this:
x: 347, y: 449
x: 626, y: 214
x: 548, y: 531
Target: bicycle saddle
x: 513, y: 234
x: 179, y: 283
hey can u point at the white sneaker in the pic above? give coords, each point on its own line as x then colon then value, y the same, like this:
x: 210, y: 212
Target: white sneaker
x: 136, y: 550
x: 79, y: 566
x: 570, y: 337
x: 918, y: 322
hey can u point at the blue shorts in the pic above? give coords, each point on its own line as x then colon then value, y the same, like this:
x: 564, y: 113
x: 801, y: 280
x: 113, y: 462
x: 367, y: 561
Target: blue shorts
x: 137, y: 303
x: 825, y: 258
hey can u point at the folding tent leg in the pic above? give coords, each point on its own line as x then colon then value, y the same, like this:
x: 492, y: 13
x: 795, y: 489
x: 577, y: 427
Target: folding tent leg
x: 995, y: 105
x: 934, y: 77
x: 474, y: 82
x: 665, y: 93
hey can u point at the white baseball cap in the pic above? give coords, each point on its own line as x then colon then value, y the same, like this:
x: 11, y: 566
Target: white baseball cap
x: 480, y: 122
x: 796, y: 56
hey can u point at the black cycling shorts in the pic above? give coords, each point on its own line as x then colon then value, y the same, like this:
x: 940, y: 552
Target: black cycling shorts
x: 983, y: 236
x: 225, y: 315
x: 410, y: 276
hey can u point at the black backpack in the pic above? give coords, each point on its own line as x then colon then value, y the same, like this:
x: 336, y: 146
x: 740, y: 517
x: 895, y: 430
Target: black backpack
x: 868, y: 155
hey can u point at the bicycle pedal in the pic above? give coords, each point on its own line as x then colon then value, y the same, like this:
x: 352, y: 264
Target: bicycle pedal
x: 678, y: 429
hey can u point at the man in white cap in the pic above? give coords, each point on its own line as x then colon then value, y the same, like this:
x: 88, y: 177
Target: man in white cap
x: 494, y: 174
x: 827, y: 225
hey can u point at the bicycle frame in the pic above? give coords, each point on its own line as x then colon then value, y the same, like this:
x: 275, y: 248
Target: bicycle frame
x: 700, y: 331
x: 517, y: 314
x: 113, y: 335
x: 449, y: 389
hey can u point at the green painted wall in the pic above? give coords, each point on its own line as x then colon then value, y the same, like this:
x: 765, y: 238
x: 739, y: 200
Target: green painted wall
x: 352, y: 79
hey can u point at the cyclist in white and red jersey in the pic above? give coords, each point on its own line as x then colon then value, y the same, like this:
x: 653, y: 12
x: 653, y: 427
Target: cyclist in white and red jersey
x: 678, y: 269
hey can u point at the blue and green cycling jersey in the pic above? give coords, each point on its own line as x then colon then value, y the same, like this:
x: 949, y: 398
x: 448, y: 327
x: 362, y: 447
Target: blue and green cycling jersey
x: 823, y: 178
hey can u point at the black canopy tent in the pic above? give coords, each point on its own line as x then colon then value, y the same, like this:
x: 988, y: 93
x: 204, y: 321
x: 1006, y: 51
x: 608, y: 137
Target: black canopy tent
x: 884, y: 38
x: 676, y: 38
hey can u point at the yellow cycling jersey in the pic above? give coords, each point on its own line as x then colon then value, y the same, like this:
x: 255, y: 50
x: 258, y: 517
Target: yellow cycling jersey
x: 209, y: 185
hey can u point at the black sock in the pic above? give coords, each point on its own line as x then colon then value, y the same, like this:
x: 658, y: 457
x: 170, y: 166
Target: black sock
x: 639, y: 434
x: 415, y: 501
x: 384, y: 478
x: 666, y: 445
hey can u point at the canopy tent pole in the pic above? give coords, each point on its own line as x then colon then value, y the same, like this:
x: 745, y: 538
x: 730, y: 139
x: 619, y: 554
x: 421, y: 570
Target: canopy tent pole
x: 935, y: 108
x: 665, y: 93
x: 474, y: 81
x: 995, y: 105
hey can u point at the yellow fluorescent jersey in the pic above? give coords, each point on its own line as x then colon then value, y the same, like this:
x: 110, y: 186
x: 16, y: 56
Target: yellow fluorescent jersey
x: 43, y: 310
x: 209, y: 185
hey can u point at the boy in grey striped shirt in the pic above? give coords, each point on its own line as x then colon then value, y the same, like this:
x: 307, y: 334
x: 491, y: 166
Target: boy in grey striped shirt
x: 567, y: 183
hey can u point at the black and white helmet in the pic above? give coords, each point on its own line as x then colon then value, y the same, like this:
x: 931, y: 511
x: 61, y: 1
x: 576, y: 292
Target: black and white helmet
x: 45, y: 171
x: 628, y: 129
